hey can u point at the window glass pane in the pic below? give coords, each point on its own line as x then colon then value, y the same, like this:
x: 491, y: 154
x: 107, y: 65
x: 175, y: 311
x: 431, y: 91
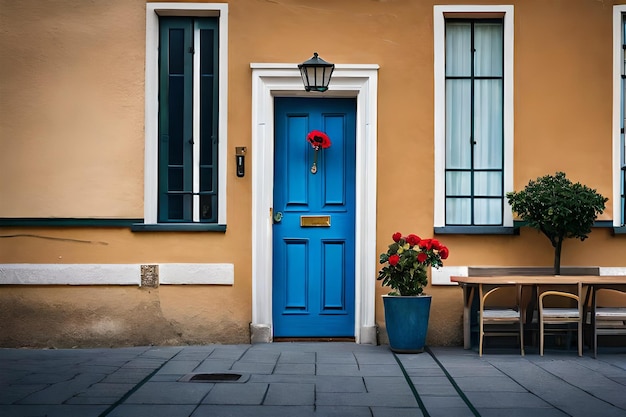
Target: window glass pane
x: 207, y: 202
x: 206, y: 179
x: 458, y: 211
x: 458, y: 123
x: 458, y: 49
x: 207, y: 54
x: 489, y: 49
x: 488, y: 124
x: 487, y: 212
x: 176, y: 120
x: 488, y: 184
x: 175, y: 207
x: 175, y: 179
x: 458, y: 183
x: 207, y: 141
x: 177, y: 51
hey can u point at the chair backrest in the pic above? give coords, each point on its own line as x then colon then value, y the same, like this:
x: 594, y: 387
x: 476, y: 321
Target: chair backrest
x: 500, y: 297
x: 561, y: 296
x: 607, y: 297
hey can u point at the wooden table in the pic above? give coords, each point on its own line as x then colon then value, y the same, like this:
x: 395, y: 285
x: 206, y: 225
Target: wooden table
x: 470, y: 284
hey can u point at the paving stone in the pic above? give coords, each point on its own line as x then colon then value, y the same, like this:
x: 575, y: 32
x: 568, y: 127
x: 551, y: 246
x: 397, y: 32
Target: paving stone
x: 387, y: 385
x: 254, y: 367
x: 365, y: 399
x: 396, y: 412
x: 179, y: 367
x: 343, y: 358
x: 521, y: 412
x: 252, y: 411
x: 489, y: 383
x: 290, y: 394
x: 336, y: 369
x: 339, y: 384
x: 292, y: 379
x: 170, y: 393
x: 128, y: 375
x: 62, y: 391
x: 47, y: 377
x: 485, y: 399
x: 93, y: 400
x: 296, y: 357
x: 242, y: 394
x: 103, y: 389
x: 380, y: 370
x: 232, y: 352
x: 13, y: 393
x: 148, y: 363
x: 334, y: 411
x: 295, y: 368
x: 61, y: 410
x: 151, y: 410
x: 215, y: 365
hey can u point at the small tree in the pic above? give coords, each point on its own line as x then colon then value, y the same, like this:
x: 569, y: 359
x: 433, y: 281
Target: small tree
x: 558, y: 208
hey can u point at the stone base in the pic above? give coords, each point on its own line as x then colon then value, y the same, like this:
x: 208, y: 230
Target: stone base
x: 260, y: 333
x: 369, y: 335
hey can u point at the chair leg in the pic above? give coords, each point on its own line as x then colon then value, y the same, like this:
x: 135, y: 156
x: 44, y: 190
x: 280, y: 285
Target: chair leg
x: 595, y: 341
x: 521, y: 335
x: 482, y: 335
x: 580, y: 337
x: 540, y: 335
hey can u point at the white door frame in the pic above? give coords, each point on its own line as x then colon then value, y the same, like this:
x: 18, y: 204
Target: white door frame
x: 268, y: 81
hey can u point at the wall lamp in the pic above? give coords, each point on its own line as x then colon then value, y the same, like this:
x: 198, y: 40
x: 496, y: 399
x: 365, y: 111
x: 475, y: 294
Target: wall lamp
x: 316, y: 73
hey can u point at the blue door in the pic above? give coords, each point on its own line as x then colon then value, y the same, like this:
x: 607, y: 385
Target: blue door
x: 313, y: 231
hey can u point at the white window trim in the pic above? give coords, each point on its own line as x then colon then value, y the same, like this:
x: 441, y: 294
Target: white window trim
x: 153, y: 11
x: 440, y: 103
x: 349, y: 80
x: 618, y: 11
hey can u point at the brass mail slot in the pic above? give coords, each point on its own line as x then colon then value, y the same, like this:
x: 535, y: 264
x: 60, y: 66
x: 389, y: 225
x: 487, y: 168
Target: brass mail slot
x: 314, y: 221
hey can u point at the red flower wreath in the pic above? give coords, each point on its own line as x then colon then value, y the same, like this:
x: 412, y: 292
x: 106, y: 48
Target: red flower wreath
x: 318, y: 139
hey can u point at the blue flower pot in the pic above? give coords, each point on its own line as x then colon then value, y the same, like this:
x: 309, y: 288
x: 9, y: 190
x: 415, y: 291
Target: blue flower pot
x: 406, y: 319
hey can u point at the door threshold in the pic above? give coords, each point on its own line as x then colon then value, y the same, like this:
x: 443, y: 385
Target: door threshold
x: 314, y: 339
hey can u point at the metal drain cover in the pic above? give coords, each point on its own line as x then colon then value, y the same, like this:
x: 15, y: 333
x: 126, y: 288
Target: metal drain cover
x: 215, y: 377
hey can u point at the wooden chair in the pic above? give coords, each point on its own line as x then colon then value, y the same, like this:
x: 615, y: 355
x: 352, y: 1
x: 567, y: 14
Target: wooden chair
x: 566, y: 310
x: 609, y: 306
x: 507, y: 311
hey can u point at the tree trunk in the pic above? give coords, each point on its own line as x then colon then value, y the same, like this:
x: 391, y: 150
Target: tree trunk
x: 557, y: 256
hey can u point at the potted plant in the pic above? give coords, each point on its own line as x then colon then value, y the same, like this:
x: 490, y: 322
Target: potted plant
x: 558, y: 208
x: 405, y: 271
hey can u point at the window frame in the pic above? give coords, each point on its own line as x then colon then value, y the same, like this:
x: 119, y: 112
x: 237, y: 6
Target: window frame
x: 619, y: 114
x: 504, y: 12
x: 151, y: 167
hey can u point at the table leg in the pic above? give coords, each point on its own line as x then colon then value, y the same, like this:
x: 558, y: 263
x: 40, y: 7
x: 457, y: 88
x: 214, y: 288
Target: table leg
x: 468, y: 296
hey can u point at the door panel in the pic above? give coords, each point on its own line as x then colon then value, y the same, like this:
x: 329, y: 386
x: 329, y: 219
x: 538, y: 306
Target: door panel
x: 313, y: 267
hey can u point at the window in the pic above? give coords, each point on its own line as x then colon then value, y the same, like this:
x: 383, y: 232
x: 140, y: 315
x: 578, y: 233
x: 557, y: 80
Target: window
x: 474, y: 125
x: 619, y: 117
x: 473, y: 118
x: 186, y: 117
x: 187, y: 124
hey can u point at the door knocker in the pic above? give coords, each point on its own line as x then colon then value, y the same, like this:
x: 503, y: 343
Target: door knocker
x: 317, y: 140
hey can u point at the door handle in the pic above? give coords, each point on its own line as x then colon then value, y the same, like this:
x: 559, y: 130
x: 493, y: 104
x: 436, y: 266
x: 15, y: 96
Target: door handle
x: 278, y: 216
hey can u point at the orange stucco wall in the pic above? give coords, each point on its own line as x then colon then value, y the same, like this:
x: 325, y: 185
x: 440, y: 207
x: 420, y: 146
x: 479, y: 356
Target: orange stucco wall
x: 72, y: 145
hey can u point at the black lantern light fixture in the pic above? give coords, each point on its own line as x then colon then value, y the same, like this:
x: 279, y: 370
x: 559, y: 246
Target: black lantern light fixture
x: 316, y: 73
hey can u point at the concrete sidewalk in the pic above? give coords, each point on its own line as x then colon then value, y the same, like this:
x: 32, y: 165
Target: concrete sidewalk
x: 307, y: 379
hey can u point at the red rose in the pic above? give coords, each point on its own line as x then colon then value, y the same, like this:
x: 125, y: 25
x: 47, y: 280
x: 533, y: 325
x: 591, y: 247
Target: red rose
x: 444, y: 252
x: 421, y: 257
x: 435, y: 243
x: 394, y: 259
x: 413, y: 239
x: 396, y: 237
x: 318, y: 139
x: 426, y: 244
